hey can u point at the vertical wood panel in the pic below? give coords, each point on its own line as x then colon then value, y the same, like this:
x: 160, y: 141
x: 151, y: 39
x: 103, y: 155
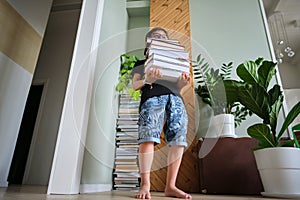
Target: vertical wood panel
x: 174, y: 16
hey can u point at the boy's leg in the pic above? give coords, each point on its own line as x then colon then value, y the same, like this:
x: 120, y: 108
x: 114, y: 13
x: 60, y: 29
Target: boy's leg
x: 146, y: 150
x: 174, y: 161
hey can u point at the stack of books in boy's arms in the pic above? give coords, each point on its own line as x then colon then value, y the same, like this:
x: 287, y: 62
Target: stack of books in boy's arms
x: 126, y: 172
x: 169, y: 56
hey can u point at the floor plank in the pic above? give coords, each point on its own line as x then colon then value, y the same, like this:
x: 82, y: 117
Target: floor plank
x: 39, y: 193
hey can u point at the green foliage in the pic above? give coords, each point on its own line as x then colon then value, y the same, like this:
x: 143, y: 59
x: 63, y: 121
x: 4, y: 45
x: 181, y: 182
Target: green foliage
x: 213, y: 86
x: 253, y: 92
x: 296, y: 141
x: 226, y: 71
x: 125, y: 79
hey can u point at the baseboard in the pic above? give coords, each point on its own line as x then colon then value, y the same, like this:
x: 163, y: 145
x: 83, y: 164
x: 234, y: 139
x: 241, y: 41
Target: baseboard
x: 91, y: 188
x: 3, y: 183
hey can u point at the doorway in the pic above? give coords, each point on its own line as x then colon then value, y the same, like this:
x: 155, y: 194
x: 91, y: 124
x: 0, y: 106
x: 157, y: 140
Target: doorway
x: 28, y: 124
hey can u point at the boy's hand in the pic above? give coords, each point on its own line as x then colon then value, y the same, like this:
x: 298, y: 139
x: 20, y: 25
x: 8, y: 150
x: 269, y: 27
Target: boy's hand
x: 153, y: 74
x: 183, y: 80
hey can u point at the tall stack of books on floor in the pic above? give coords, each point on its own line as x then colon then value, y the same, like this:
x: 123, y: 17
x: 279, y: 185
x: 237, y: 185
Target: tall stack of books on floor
x: 126, y: 172
x: 169, y: 56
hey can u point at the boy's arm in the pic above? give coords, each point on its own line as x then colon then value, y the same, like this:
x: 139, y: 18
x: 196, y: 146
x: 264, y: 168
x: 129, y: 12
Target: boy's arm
x: 137, y: 82
x: 151, y: 76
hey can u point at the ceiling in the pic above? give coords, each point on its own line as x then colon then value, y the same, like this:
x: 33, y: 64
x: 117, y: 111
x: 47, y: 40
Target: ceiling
x: 62, y: 5
x: 291, y: 15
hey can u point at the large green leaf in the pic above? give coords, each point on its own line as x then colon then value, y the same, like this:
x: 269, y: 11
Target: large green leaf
x: 289, y: 119
x: 274, y: 94
x: 275, y: 108
x: 275, y: 102
x: 255, y: 98
x: 262, y: 133
x: 259, y: 60
x: 231, y: 87
x: 265, y: 73
x: 247, y: 71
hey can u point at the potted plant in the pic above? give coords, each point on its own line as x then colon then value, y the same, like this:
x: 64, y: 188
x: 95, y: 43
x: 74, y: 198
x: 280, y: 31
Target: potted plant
x: 210, y: 87
x: 125, y: 79
x: 277, y: 159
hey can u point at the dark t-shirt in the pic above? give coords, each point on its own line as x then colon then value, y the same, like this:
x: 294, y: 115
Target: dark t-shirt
x: 160, y: 87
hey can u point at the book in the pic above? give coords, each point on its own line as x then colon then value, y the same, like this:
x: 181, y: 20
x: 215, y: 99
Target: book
x: 158, y: 39
x: 159, y: 63
x: 128, y: 110
x: 128, y: 115
x: 164, y: 47
x: 126, y: 178
x: 170, y: 75
x: 131, y: 134
x: 130, y: 157
x: 127, y: 174
x: 126, y: 162
x: 169, y: 56
x: 126, y: 185
x: 126, y: 145
x: 165, y: 44
x: 128, y: 138
x: 126, y: 168
x: 127, y: 126
x: 174, y: 54
x: 168, y: 59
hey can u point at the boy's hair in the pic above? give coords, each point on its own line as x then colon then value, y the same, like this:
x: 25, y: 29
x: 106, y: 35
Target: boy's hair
x: 148, y: 35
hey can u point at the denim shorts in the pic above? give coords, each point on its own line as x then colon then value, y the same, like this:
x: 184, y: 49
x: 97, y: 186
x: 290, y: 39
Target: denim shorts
x: 165, y: 112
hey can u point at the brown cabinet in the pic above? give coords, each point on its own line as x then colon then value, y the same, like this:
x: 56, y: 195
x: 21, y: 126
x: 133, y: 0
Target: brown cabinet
x: 228, y: 166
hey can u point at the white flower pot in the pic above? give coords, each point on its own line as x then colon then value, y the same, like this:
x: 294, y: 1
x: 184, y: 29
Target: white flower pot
x: 223, y: 125
x: 279, y: 169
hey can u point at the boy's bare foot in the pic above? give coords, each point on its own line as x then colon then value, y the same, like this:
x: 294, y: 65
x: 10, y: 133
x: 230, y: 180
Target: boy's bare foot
x: 175, y: 192
x: 144, y: 192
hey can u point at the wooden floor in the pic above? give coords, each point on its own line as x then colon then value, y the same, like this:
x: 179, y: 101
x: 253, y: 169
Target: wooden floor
x: 39, y: 193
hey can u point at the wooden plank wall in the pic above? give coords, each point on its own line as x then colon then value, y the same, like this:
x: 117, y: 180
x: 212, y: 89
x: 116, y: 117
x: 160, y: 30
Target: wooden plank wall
x: 174, y: 16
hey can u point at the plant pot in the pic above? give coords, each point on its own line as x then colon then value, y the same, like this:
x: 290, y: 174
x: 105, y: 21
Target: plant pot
x: 223, y: 125
x: 279, y: 169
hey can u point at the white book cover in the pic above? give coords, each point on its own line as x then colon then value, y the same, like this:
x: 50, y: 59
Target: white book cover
x: 165, y: 43
x: 168, y: 59
x: 174, y: 54
x: 174, y: 41
x: 166, y: 47
x: 166, y: 65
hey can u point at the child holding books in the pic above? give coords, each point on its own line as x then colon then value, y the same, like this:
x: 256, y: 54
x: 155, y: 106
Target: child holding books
x: 161, y: 108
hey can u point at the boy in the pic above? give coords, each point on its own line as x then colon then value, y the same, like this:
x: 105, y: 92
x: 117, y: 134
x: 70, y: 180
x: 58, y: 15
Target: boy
x: 160, y: 103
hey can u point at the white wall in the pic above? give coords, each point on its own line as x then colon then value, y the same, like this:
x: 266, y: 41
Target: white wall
x: 35, y: 12
x: 15, y: 84
x: 292, y: 98
x: 289, y: 75
x: 138, y: 26
x: 53, y: 65
x: 100, y: 147
x: 231, y: 31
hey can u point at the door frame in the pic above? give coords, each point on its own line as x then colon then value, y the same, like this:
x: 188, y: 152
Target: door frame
x: 45, y: 83
x: 65, y: 176
x: 285, y: 109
